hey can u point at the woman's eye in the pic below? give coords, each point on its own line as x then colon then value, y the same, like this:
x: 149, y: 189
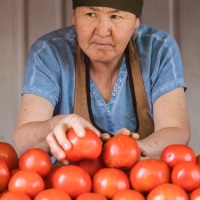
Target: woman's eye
x: 116, y: 17
x: 92, y: 15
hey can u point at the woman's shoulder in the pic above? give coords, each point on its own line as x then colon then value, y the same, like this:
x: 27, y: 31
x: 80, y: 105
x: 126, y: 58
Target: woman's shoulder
x: 147, y: 32
x: 151, y: 38
x: 55, y: 38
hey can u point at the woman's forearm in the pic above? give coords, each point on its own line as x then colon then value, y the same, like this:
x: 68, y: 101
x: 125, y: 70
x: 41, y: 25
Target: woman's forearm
x: 157, y: 141
x: 33, y: 134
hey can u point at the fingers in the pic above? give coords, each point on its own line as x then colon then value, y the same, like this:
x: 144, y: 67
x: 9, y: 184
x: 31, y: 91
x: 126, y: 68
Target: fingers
x: 105, y: 137
x: 79, y: 124
x: 65, y: 162
x: 60, y: 136
x: 125, y: 131
x: 57, y: 140
x: 55, y: 149
x: 135, y: 136
x: 72, y: 121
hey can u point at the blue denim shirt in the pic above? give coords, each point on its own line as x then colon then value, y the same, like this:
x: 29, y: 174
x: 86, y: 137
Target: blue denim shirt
x: 50, y: 73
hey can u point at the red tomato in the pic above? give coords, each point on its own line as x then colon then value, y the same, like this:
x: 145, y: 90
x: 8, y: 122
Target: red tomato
x: 109, y: 181
x: 128, y: 195
x: 15, y: 196
x: 9, y: 155
x: 36, y: 160
x: 73, y: 180
x: 198, y: 159
x: 48, y: 180
x: 88, y: 147
x: 176, y: 153
x: 28, y: 182
x: 13, y: 171
x: 52, y: 194
x: 186, y: 175
x: 91, y: 196
x: 121, y: 151
x: 4, y: 175
x: 168, y: 191
x: 91, y: 165
x: 2, y: 193
x: 149, y: 173
x: 195, y: 194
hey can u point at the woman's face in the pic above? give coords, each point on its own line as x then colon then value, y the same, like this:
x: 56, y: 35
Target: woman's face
x: 103, y: 33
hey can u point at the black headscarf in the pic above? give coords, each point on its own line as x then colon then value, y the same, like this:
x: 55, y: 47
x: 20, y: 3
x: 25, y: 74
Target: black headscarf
x: 132, y: 6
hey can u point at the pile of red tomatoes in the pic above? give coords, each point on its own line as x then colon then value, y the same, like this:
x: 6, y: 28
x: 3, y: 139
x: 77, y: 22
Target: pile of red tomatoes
x: 109, y: 171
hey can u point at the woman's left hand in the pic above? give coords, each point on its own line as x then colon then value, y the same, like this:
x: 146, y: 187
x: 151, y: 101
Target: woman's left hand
x: 123, y: 131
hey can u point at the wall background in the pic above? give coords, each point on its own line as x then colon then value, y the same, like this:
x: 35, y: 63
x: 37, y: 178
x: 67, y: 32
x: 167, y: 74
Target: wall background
x: 23, y: 21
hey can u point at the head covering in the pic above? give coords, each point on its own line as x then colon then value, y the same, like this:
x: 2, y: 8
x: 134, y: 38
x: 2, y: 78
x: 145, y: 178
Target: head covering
x: 132, y: 6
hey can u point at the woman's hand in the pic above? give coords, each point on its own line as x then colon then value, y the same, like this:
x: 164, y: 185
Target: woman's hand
x: 124, y: 131
x: 57, y: 139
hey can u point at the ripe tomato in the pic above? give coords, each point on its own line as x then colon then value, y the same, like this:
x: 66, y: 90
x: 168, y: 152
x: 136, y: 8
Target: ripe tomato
x: 195, y: 194
x: 52, y: 194
x: 36, y: 160
x: 198, y: 159
x: 88, y: 147
x: 48, y: 180
x: 15, y: 196
x: 147, y: 174
x: 176, y: 153
x: 73, y: 180
x: 91, y: 165
x: 128, y: 195
x: 121, y: 151
x: 2, y: 193
x: 4, y: 175
x: 168, y: 191
x: 109, y: 181
x: 9, y: 155
x: 91, y: 196
x: 13, y: 171
x: 28, y: 182
x: 186, y: 175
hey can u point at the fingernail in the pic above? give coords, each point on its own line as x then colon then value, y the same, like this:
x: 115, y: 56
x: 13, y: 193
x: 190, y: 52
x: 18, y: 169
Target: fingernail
x: 81, y: 133
x: 66, y: 147
x: 61, y: 155
x: 65, y: 162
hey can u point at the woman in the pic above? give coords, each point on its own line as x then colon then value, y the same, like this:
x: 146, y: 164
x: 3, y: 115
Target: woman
x: 109, y: 73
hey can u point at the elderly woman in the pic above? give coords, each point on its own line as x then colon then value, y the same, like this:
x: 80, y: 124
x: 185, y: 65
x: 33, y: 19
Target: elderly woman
x: 109, y: 73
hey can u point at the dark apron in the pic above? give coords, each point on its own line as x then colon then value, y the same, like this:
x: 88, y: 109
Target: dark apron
x: 82, y: 103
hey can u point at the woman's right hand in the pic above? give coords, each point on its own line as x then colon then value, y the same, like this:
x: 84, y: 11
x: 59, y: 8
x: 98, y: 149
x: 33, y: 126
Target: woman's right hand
x: 57, y: 140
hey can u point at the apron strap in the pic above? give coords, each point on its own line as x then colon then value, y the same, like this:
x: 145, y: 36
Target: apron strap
x: 145, y: 122
x: 80, y: 98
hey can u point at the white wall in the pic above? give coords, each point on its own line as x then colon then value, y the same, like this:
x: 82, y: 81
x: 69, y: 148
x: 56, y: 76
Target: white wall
x: 23, y: 21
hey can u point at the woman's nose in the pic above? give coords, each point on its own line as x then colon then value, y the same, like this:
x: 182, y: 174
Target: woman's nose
x: 104, y: 27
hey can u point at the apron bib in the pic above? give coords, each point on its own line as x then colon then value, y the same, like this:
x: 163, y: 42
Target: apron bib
x: 82, y: 103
